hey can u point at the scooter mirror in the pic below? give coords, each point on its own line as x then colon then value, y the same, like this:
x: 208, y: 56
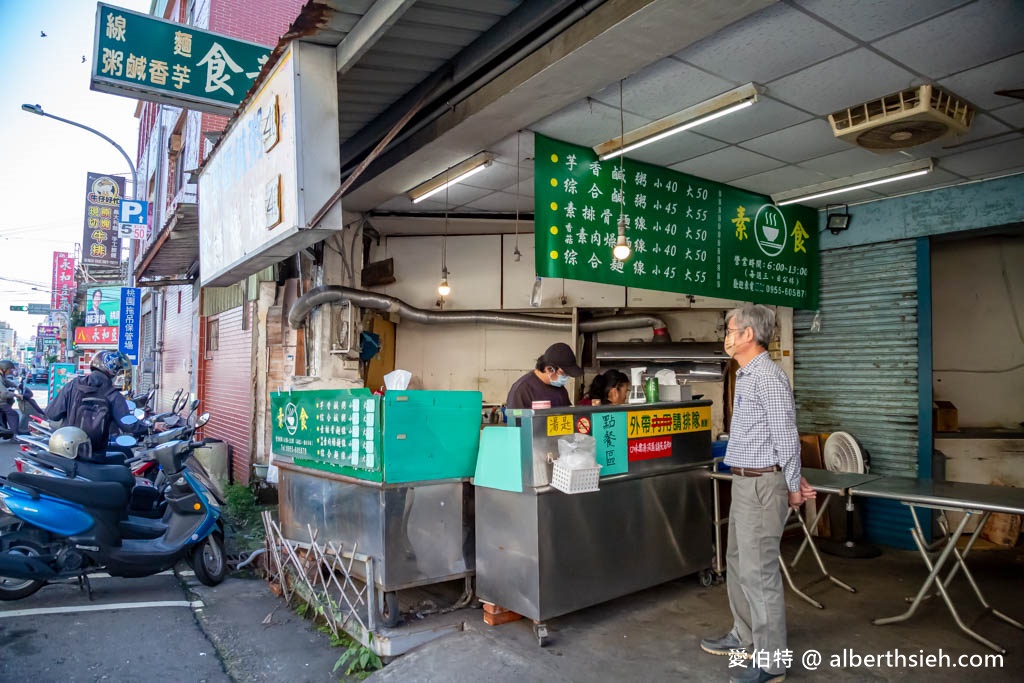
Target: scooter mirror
x: 203, y: 419
x: 125, y: 441
x: 192, y: 408
x: 129, y: 420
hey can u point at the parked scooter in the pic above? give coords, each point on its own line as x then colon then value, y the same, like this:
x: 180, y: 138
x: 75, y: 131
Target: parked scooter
x: 53, y: 528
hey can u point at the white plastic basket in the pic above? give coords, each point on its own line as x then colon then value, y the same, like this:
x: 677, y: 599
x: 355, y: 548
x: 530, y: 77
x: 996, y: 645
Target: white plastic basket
x: 582, y: 480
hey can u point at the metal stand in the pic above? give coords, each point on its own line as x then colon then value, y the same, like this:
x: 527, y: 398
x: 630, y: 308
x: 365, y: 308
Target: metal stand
x: 808, y: 541
x: 936, y: 568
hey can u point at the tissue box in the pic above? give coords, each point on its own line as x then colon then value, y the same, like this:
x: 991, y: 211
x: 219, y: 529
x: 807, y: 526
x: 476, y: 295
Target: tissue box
x: 674, y: 392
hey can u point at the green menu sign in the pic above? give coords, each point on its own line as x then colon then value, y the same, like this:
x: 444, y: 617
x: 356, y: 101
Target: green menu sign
x: 143, y: 57
x: 687, y: 234
x: 338, y: 430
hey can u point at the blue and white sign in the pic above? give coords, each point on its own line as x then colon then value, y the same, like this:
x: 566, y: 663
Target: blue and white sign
x: 134, y: 212
x: 128, y: 337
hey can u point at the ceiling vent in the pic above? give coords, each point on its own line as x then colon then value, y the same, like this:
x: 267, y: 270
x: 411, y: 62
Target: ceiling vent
x: 904, y: 119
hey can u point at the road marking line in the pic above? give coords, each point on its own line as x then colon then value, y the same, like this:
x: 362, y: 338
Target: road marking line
x: 104, y: 575
x: 194, y: 604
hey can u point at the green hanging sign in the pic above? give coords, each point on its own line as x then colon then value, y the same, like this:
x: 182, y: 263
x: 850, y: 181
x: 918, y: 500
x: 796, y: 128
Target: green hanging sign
x: 687, y: 234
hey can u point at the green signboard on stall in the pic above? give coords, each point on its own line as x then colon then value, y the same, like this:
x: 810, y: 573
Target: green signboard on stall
x: 140, y: 56
x: 687, y: 234
x: 337, y: 430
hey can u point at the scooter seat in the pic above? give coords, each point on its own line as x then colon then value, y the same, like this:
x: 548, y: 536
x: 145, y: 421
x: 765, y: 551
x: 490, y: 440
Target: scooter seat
x: 118, y: 474
x: 97, y: 494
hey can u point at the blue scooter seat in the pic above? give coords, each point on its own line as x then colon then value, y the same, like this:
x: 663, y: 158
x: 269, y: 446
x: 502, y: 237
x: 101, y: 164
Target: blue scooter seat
x: 96, y: 494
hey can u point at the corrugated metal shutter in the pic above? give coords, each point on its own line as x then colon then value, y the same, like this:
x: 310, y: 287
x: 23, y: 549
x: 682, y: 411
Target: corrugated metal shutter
x: 859, y: 373
x: 228, y: 390
x: 147, y: 357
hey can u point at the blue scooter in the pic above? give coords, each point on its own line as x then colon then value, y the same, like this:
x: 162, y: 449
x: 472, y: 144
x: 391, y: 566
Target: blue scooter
x: 56, y: 529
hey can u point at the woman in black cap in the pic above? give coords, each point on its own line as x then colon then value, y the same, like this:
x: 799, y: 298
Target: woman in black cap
x: 546, y: 382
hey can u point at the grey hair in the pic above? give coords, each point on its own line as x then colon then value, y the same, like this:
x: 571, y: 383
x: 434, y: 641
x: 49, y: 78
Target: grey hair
x: 759, y: 318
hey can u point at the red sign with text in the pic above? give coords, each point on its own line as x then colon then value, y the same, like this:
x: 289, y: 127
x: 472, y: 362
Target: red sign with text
x: 96, y: 336
x: 650, y: 448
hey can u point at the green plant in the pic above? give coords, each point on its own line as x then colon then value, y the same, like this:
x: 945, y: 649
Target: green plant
x: 361, y: 660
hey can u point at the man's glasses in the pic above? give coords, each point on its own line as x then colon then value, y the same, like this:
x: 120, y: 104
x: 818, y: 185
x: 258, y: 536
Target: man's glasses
x: 730, y: 330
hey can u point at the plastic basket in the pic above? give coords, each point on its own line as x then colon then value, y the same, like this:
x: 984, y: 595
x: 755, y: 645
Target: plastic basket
x: 582, y: 480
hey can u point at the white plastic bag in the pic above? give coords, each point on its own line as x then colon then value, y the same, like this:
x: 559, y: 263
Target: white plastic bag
x: 577, y: 451
x: 397, y: 379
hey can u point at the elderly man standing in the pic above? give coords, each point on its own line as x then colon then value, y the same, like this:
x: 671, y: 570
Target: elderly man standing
x: 764, y: 456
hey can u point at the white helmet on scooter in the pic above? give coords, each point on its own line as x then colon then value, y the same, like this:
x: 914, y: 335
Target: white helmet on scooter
x: 71, y: 443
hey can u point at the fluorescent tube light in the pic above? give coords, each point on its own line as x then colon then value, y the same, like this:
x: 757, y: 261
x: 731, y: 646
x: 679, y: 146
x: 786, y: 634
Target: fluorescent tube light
x: 856, y: 182
x: 455, y: 174
x: 709, y: 110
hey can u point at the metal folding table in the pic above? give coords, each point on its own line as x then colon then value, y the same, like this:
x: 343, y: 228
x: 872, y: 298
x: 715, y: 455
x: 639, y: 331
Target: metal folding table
x: 822, y: 481
x: 972, y: 500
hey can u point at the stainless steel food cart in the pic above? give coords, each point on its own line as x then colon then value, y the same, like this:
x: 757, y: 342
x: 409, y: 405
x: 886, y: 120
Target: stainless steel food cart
x: 544, y: 553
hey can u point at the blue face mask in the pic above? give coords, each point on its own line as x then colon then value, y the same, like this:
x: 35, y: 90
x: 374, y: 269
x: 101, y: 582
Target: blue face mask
x: 560, y: 381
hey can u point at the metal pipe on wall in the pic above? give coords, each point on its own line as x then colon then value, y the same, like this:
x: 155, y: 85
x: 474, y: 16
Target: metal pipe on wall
x: 330, y: 293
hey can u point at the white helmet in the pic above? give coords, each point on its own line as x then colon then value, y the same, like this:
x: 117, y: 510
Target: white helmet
x: 71, y: 442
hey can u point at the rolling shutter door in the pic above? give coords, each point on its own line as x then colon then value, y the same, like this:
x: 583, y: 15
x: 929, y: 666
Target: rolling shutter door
x: 859, y: 373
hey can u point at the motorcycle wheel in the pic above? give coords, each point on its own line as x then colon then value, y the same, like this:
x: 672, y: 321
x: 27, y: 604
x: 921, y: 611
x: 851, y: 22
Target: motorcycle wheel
x: 208, y: 560
x: 16, y: 589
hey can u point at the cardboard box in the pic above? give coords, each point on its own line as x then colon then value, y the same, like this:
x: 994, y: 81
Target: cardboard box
x: 944, y: 416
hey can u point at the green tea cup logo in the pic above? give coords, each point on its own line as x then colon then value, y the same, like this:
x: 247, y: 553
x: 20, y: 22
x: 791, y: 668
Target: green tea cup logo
x: 770, y: 230
x: 291, y: 419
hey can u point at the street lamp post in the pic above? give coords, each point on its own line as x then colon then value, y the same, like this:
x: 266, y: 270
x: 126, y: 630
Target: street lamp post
x: 38, y: 110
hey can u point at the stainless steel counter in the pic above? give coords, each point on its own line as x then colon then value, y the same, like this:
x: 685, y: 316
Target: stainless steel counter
x: 543, y: 553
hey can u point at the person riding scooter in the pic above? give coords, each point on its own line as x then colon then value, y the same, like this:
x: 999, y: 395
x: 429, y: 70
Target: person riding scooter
x: 8, y: 416
x: 93, y: 403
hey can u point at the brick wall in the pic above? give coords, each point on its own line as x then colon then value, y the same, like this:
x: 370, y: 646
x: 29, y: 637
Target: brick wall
x: 264, y: 23
x: 226, y: 387
x: 177, y: 344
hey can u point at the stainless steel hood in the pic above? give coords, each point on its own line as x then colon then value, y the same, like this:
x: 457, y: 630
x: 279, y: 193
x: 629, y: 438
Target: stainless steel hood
x: 692, y: 360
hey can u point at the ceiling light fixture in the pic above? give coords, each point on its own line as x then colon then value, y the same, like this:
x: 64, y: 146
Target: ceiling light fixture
x: 455, y: 174
x: 708, y: 110
x: 860, y: 181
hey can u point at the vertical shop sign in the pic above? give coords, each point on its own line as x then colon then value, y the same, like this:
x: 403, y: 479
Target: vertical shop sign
x: 101, y: 245
x: 62, y: 285
x: 128, y: 332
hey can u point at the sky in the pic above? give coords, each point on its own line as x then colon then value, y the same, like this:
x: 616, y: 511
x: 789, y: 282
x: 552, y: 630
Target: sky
x: 43, y: 162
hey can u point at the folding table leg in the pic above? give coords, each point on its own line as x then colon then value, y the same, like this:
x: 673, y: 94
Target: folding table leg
x: 814, y: 525
x: 962, y: 564
x: 934, y: 571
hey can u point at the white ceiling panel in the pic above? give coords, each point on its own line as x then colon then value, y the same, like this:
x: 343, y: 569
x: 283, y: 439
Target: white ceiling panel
x: 587, y: 123
x: 664, y: 88
x: 727, y: 164
x: 939, y: 177
x: 855, y: 197
x: 842, y: 81
x: 775, y: 41
x: 976, y: 33
x: 1002, y: 156
x: 798, y: 143
x: 978, y: 85
x: 764, y: 117
x: 501, y: 201
x: 983, y: 128
x: 851, y: 162
x: 496, y: 177
x: 872, y: 19
x: 687, y: 146
x: 506, y: 151
x: 1013, y: 115
x: 404, y: 204
x: 780, y: 179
